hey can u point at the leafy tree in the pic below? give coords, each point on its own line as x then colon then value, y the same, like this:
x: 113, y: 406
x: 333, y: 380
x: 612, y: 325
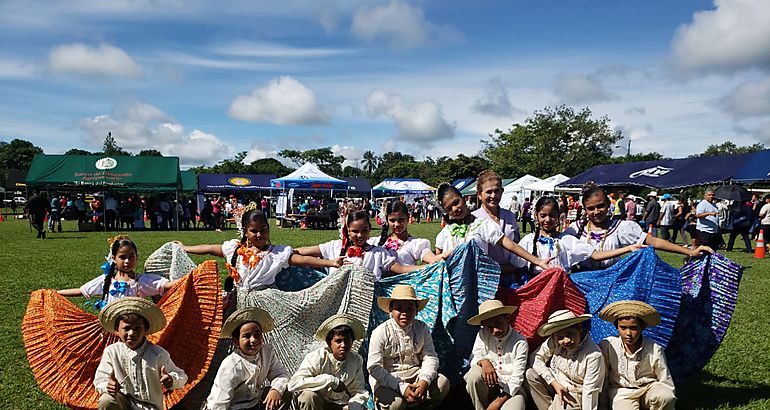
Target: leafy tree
x: 353, y: 172
x: 111, y: 148
x: 17, y: 154
x: 370, y: 161
x: 149, y: 153
x: 324, y: 158
x: 78, y: 151
x: 554, y: 140
x: 729, y: 148
x: 268, y: 166
x: 650, y: 156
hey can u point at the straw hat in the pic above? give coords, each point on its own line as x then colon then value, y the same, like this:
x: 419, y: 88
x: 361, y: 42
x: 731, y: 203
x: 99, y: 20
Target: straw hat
x: 244, y: 315
x: 631, y: 308
x: 489, y: 309
x: 561, y: 319
x: 401, y: 292
x: 139, y: 306
x: 339, y: 320
x: 653, y: 193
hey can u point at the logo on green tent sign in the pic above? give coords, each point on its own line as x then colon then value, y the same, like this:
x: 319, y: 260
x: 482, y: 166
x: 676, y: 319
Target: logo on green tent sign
x: 106, y: 163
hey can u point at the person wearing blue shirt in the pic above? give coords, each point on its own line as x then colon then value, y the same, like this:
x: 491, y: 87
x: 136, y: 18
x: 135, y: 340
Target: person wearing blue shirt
x: 707, y: 225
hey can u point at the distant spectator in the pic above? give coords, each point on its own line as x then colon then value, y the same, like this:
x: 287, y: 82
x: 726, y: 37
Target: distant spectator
x: 708, y: 221
x: 631, y: 208
x: 36, y: 209
x: 666, y: 218
x: 651, y: 212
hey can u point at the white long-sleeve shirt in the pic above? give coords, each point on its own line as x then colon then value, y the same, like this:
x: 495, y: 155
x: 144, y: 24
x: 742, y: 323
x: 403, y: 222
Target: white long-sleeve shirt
x: 397, y: 354
x: 508, y: 355
x: 138, y: 373
x: 238, y: 384
x: 646, y: 365
x: 580, y: 370
x: 320, y: 372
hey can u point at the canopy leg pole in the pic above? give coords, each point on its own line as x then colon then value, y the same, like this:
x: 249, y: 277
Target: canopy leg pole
x: 176, y: 213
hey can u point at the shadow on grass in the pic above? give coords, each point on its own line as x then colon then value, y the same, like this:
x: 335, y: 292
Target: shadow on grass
x: 710, y: 391
x: 60, y: 236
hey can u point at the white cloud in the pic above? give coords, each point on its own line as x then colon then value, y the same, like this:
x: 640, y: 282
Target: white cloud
x: 579, y: 88
x: 495, y: 101
x: 142, y: 126
x: 762, y: 133
x: 417, y: 121
x: 748, y: 99
x: 17, y: 69
x: 399, y: 25
x: 635, y: 110
x: 284, y: 101
x: 103, y: 60
x: 273, y: 50
x: 352, y: 155
x: 733, y: 36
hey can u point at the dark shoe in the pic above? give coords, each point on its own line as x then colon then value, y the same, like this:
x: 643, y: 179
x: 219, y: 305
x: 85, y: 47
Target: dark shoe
x: 59, y: 228
x: 39, y: 235
x: 43, y: 234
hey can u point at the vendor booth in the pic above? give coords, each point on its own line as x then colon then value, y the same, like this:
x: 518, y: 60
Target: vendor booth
x: 235, y: 182
x: 402, y: 186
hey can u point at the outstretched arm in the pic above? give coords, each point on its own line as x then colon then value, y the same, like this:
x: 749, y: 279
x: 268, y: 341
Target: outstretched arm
x: 516, y: 249
x: 397, y: 269
x: 667, y: 246
x: 70, y: 292
x: 314, y: 250
x: 214, y: 250
x: 602, y: 255
x: 315, y: 262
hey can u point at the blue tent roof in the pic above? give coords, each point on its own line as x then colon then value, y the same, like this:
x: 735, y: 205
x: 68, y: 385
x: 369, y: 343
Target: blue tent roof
x: 234, y: 182
x: 461, y: 184
x: 672, y: 173
x: 358, y: 185
x: 756, y: 168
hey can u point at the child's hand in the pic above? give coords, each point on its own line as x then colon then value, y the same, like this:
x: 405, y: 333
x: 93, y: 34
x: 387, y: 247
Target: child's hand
x: 497, y: 403
x: 545, y: 263
x: 421, y: 391
x: 340, y: 387
x: 410, y: 395
x: 701, y: 249
x: 488, y: 373
x: 339, y: 261
x: 113, y: 387
x: 165, y: 379
x: 563, y: 393
x: 273, y: 400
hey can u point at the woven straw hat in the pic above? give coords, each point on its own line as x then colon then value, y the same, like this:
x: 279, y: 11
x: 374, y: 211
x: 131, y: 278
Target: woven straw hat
x: 401, y: 292
x: 245, y: 315
x: 489, y: 309
x: 338, y: 320
x: 631, y: 308
x: 561, y: 319
x: 139, y: 306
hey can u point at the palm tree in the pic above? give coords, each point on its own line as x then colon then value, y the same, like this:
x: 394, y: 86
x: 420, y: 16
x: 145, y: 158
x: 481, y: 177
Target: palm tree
x: 370, y: 162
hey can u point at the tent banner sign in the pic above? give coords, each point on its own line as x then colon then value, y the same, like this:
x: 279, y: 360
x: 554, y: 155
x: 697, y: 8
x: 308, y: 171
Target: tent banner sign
x: 102, y: 175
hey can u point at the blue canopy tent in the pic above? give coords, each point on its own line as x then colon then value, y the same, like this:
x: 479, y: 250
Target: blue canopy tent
x: 234, y: 182
x: 755, y: 169
x: 308, y: 177
x: 670, y: 173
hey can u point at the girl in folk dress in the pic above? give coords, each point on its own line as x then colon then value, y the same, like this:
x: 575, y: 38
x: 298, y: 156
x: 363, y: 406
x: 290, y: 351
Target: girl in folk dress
x: 353, y: 247
x: 252, y: 260
x: 119, y: 279
x: 604, y: 234
x: 563, y: 250
x: 462, y: 227
x: 395, y: 237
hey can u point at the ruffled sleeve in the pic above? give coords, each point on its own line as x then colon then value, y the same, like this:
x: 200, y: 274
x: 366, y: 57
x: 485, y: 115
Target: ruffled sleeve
x: 151, y: 284
x: 228, y: 248
x: 93, y: 287
x: 630, y: 233
x: 331, y: 250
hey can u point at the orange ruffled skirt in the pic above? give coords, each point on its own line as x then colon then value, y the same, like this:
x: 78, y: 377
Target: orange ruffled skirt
x: 64, y: 344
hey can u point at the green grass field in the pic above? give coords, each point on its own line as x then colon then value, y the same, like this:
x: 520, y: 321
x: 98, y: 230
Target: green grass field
x: 738, y: 376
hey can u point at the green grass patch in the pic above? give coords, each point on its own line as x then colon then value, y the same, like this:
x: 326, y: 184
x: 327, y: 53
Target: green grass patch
x: 738, y: 376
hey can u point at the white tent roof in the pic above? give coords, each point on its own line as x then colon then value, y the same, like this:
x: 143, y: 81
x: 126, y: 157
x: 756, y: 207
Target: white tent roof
x: 308, y: 176
x: 548, y: 184
x: 403, y: 186
x: 518, y: 184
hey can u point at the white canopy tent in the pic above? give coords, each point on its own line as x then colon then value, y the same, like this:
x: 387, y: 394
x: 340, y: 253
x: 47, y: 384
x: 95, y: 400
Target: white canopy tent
x: 517, y: 188
x: 548, y: 184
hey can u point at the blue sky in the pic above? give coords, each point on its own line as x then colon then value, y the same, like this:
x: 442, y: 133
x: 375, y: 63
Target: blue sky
x: 204, y: 80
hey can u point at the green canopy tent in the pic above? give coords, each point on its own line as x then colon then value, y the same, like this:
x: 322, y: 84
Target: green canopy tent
x: 118, y: 173
x: 189, y: 180
x: 80, y: 172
